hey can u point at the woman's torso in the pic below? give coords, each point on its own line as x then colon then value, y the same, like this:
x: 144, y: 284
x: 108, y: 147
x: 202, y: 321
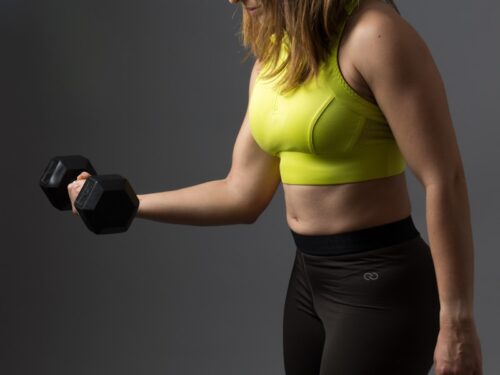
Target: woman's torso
x: 329, y: 209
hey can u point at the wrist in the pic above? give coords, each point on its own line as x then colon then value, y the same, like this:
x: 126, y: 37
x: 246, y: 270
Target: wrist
x: 140, y: 207
x: 456, y: 313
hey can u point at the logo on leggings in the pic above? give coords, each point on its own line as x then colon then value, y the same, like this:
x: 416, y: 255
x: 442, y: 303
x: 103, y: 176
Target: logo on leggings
x: 370, y: 276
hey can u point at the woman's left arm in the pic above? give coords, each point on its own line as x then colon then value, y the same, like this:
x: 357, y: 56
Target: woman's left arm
x: 398, y: 66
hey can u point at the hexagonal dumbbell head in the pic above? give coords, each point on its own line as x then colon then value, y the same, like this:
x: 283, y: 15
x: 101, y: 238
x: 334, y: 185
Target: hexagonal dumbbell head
x: 60, y: 171
x: 107, y: 204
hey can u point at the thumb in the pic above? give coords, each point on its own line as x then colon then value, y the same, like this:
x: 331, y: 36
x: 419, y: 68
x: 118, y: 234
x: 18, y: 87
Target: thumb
x: 83, y: 175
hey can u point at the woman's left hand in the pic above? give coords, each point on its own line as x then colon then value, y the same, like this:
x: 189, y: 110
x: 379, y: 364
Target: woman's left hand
x: 458, y: 350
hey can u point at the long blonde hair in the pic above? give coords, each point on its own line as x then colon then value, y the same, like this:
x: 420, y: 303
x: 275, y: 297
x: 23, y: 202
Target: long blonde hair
x: 308, y: 29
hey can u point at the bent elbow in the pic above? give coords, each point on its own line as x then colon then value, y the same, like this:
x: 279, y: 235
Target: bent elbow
x: 251, y: 218
x: 251, y: 214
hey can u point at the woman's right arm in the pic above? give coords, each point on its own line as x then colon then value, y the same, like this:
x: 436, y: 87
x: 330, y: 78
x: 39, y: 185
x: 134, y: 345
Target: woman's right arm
x: 237, y: 199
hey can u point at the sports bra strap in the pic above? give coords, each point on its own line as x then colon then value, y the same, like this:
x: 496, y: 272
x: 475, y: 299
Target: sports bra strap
x: 349, y: 7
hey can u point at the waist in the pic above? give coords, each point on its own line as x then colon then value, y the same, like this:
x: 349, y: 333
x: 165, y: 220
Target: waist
x: 357, y: 240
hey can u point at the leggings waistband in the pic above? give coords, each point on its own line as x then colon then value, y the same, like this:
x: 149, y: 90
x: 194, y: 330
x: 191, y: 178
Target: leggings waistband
x: 357, y: 240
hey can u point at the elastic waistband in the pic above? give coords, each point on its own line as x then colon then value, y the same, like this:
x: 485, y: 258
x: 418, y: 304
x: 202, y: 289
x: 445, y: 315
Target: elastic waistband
x: 357, y: 240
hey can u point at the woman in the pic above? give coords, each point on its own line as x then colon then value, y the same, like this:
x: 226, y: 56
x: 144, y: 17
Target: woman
x: 358, y: 97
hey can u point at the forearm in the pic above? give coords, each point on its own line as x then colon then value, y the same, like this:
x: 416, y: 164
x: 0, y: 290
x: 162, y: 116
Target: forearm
x: 208, y: 203
x: 450, y: 239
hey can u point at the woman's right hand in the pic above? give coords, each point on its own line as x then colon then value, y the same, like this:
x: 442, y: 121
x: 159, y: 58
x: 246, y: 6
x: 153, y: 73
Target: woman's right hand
x: 75, y: 187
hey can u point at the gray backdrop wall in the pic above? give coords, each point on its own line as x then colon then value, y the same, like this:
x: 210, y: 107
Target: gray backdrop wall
x: 156, y: 91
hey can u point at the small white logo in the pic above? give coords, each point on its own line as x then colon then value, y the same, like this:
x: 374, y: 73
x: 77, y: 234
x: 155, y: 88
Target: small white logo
x: 370, y: 276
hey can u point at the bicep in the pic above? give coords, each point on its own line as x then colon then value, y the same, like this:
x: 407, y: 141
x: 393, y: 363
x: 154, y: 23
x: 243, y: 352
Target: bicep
x: 254, y: 174
x: 410, y: 92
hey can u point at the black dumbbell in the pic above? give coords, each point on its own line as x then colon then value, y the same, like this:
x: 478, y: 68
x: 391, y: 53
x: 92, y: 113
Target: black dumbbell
x: 106, y: 203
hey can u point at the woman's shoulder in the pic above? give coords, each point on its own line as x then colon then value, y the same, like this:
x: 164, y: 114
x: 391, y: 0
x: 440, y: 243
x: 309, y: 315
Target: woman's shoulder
x: 377, y: 31
x: 370, y: 15
x: 388, y: 56
x: 374, y: 19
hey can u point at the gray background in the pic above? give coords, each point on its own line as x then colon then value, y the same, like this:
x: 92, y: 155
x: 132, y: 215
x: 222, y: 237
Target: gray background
x: 156, y: 91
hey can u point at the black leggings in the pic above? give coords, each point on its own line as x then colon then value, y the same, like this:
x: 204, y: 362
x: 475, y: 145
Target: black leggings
x: 362, y: 302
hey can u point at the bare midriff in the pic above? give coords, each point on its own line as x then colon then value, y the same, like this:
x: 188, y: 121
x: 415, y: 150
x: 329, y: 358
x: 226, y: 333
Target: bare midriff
x: 330, y: 209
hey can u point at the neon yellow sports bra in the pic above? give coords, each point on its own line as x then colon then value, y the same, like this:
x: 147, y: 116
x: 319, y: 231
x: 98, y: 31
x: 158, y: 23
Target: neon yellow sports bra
x: 323, y: 132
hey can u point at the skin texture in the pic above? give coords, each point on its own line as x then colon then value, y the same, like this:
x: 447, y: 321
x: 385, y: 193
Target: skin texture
x: 400, y: 75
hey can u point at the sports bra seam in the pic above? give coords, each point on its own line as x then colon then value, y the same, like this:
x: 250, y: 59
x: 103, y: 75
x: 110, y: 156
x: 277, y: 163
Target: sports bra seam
x: 358, y: 130
x: 360, y: 113
x: 314, y: 121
